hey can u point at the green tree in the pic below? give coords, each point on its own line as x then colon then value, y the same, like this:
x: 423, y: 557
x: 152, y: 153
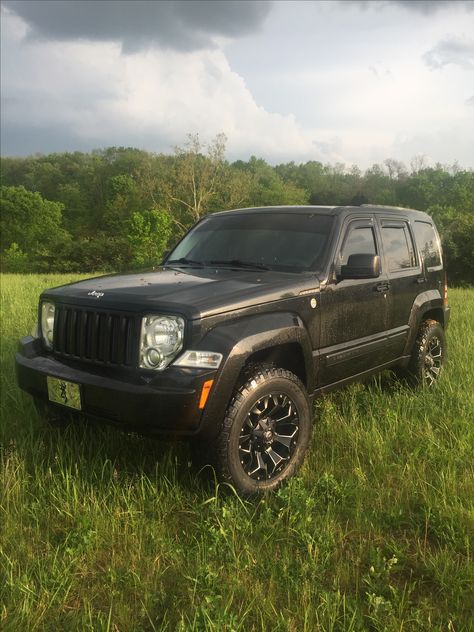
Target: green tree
x: 15, y: 260
x: 195, y: 178
x: 148, y: 236
x: 266, y: 187
x: 457, y: 235
x: 124, y: 198
x: 93, y: 196
x: 378, y: 187
x: 30, y: 222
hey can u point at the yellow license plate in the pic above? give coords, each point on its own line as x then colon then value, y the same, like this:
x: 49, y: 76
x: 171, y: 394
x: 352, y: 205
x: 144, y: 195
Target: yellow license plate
x: 64, y: 392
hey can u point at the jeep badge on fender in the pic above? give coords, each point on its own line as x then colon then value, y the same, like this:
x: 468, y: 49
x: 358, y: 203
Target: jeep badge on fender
x: 253, y: 314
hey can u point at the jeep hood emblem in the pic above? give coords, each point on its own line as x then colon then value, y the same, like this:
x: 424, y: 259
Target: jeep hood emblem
x: 95, y: 293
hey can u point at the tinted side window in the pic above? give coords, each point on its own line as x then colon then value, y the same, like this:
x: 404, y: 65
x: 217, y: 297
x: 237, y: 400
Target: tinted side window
x: 428, y: 244
x: 359, y: 242
x: 398, y: 248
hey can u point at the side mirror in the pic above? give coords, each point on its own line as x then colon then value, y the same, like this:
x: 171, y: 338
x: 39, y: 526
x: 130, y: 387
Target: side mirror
x: 361, y: 267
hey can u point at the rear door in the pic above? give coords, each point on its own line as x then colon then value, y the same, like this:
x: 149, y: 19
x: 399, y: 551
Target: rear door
x: 353, y: 311
x: 404, y: 275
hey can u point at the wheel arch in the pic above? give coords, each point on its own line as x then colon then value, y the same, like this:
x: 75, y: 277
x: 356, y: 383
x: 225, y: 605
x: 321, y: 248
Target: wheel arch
x: 275, y: 339
x: 287, y: 356
x: 427, y: 305
x: 435, y: 313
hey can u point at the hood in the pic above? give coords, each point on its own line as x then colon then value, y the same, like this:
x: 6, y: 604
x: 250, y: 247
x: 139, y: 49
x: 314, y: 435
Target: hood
x: 195, y: 293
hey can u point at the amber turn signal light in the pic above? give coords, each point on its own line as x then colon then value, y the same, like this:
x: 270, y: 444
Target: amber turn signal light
x: 206, y: 389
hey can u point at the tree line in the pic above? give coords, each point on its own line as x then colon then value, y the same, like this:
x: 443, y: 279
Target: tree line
x: 120, y: 208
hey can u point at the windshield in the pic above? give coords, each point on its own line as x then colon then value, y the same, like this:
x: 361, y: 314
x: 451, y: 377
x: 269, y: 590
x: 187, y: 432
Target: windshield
x: 290, y: 242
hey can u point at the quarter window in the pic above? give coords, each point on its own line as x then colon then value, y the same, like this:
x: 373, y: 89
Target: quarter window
x: 428, y: 244
x: 398, y: 247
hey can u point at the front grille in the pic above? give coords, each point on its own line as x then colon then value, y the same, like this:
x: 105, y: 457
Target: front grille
x: 100, y: 337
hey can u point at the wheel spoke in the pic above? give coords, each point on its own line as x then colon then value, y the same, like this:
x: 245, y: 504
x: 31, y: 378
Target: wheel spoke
x: 433, y: 361
x: 276, y: 405
x: 429, y: 377
x: 268, y: 436
x: 290, y: 414
x: 261, y: 465
x: 285, y: 439
x: 275, y: 457
x: 248, y: 422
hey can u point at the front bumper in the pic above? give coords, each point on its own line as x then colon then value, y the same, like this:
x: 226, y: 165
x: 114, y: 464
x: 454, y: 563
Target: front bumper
x: 154, y: 404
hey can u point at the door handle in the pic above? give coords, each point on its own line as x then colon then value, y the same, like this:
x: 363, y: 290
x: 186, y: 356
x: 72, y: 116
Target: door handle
x: 421, y: 280
x: 383, y: 287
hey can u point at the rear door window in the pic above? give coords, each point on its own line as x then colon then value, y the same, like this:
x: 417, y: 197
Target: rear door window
x: 398, y: 246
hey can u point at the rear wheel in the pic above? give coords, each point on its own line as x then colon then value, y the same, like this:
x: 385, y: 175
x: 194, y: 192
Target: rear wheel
x: 265, y: 433
x: 428, y: 355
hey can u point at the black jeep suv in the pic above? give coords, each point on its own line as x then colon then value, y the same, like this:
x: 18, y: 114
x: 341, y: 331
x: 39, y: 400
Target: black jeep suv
x: 253, y: 314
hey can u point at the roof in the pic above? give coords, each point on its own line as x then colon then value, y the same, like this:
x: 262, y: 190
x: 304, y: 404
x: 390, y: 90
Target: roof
x: 323, y: 210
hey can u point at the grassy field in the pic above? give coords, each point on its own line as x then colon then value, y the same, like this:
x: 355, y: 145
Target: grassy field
x: 106, y: 531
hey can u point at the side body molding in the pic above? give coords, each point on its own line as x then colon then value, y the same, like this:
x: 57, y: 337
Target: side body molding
x: 240, y: 339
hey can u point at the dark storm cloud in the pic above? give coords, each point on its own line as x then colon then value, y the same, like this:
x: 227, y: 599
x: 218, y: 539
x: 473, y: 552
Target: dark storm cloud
x: 185, y: 25
x: 458, y: 52
x: 426, y: 7
x: 28, y: 138
x: 431, y: 6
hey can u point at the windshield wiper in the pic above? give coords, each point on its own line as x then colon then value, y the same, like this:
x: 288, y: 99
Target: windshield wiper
x: 184, y: 261
x: 237, y: 263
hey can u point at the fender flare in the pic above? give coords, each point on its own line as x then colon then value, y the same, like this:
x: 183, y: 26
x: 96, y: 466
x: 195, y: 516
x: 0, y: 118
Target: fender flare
x: 237, y: 341
x: 424, y: 302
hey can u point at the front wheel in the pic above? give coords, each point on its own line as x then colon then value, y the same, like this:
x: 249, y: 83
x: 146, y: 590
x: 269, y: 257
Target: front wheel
x: 265, y: 433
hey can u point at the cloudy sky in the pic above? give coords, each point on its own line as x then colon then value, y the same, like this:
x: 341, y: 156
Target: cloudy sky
x: 354, y: 81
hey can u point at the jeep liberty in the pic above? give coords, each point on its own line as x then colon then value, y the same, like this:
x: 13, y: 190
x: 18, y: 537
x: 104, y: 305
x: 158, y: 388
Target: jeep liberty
x: 253, y: 314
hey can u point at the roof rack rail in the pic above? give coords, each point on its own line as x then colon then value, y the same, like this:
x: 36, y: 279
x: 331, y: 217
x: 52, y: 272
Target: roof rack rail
x: 388, y: 206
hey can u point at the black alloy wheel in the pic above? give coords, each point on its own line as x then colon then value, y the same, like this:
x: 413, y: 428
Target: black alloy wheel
x: 428, y: 356
x: 265, y: 433
x: 268, y: 436
x: 433, y: 361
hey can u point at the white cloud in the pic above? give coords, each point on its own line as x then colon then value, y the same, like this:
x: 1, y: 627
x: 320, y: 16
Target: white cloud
x: 438, y: 146
x: 150, y: 98
x: 457, y: 51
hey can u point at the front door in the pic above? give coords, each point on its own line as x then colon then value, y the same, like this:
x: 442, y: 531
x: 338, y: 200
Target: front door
x: 353, y: 311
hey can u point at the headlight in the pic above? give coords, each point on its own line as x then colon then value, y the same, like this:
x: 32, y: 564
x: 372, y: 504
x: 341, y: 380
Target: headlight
x: 47, y: 323
x: 200, y: 359
x: 161, y: 340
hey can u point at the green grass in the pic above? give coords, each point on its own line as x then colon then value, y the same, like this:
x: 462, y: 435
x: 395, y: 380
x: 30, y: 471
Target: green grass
x: 104, y: 531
